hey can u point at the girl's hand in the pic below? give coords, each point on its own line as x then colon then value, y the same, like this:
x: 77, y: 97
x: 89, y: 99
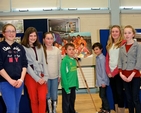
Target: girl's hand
x: 42, y: 81
x: 19, y: 83
x: 129, y: 79
x: 123, y: 77
x: 109, y: 75
x: 13, y: 82
x: 59, y: 79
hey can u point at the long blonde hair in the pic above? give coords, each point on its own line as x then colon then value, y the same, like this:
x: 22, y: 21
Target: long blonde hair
x: 111, y: 40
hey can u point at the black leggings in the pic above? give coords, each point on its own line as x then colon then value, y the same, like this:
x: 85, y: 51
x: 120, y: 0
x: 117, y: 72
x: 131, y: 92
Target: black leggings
x: 116, y: 84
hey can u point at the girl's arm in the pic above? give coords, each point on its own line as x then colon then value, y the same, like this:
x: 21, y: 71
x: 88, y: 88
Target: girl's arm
x: 59, y: 63
x: 115, y: 71
x: 108, y: 71
x: 20, y: 81
x: 4, y: 74
x: 138, y: 59
x: 45, y: 69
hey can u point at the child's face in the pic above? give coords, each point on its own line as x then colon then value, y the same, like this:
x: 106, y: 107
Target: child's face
x: 97, y: 50
x: 49, y: 40
x: 81, y: 46
x: 128, y: 34
x: 115, y: 33
x: 32, y: 38
x: 9, y: 33
x: 70, y: 51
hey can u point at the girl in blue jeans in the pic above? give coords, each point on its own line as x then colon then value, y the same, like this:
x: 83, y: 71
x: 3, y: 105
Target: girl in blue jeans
x: 13, y: 65
x: 53, y: 58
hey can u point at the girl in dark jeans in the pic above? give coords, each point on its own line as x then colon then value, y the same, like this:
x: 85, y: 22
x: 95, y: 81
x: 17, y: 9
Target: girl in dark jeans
x: 129, y: 65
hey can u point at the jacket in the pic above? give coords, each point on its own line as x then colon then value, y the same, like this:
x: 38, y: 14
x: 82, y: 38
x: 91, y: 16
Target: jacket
x: 130, y: 60
x: 69, y: 77
x: 101, y: 76
x: 12, y: 59
x: 39, y: 67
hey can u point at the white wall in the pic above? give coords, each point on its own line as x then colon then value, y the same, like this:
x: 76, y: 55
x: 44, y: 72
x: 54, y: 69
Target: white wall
x: 88, y: 23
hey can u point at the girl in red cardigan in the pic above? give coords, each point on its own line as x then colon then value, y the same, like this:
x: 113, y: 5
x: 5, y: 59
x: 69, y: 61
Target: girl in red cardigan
x: 116, y: 83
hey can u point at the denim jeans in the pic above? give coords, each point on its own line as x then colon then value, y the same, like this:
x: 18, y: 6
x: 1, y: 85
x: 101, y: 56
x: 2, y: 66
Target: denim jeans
x: 52, y: 89
x: 132, y: 91
x: 11, y: 96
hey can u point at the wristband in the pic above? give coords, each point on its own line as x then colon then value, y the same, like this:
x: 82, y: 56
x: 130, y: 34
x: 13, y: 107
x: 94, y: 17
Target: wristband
x: 21, y: 80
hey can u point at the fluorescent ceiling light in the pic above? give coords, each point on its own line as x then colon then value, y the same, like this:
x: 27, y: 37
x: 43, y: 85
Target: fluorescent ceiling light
x: 83, y: 8
x: 34, y: 9
x: 72, y: 8
x: 95, y: 8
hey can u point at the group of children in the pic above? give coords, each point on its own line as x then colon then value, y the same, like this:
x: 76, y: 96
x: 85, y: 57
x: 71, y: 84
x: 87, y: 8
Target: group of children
x: 41, y: 68
x: 122, y: 67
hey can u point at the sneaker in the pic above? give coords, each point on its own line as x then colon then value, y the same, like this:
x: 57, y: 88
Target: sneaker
x: 106, y: 111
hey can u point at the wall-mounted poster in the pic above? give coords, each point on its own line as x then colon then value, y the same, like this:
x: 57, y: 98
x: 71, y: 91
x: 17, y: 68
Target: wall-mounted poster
x: 83, y: 46
x: 69, y: 25
x: 17, y: 23
x: 82, y: 42
x: 62, y: 27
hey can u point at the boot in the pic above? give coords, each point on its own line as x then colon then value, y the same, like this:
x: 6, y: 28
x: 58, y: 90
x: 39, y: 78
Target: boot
x: 116, y: 108
x: 121, y: 110
x: 49, y: 106
x: 54, y: 107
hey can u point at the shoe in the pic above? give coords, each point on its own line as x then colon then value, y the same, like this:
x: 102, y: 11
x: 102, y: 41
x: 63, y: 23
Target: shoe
x: 101, y: 111
x: 106, y: 111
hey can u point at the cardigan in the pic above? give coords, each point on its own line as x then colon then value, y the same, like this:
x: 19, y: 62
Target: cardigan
x: 132, y: 59
x: 38, y: 66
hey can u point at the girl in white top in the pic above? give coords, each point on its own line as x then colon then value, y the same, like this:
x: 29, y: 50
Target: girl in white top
x: 114, y: 42
x: 53, y: 58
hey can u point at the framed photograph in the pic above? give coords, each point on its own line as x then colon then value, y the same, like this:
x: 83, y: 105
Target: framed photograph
x: 64, y: 25
x: 17, y: 23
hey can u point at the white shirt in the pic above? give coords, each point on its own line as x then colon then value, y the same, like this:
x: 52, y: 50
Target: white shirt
x: 54, y: 61
x: 113, y: 57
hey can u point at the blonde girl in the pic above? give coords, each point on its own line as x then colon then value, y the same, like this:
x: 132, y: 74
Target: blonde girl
x: 114, y: 42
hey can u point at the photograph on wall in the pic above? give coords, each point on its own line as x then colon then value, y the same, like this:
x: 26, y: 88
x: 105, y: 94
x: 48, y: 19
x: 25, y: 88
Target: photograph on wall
x: 82, y: 43
x: 17, y: 23
x: 62, y: 27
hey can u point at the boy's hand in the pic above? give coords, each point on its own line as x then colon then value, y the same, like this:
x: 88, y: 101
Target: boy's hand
x: 103, y: 85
